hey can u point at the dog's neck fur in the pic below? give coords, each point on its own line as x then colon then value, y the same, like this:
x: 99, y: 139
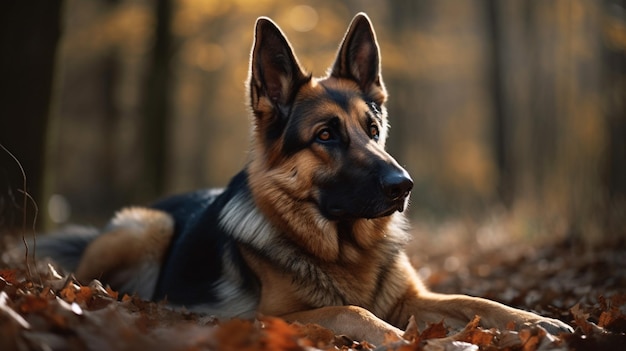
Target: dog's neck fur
x: 256, y: 231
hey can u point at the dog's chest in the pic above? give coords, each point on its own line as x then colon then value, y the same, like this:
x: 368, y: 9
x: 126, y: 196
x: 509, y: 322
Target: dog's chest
x: 331, y: 284
x: 342, y: 282
x: 299, y: 284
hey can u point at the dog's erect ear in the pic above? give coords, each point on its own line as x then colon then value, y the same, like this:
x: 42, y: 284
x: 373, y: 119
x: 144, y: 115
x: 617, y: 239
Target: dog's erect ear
x: 274, y: 70
x: 358, y: 57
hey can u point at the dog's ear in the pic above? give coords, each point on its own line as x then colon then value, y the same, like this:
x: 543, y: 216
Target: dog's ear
x: 359, y: 57
x: 274, y: 69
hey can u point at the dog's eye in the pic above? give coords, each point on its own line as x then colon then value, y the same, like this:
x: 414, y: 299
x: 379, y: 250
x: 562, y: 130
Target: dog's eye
x: 374, y: 132
x: 325, y: 135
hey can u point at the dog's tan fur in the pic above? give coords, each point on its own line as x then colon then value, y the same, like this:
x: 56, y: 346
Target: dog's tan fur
x: 135, y: 237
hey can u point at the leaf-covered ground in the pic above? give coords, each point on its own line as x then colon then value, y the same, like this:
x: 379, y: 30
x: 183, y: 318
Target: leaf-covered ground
x: 584, y: 285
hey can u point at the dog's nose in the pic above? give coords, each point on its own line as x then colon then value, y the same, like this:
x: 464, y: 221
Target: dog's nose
x: 397, y: 184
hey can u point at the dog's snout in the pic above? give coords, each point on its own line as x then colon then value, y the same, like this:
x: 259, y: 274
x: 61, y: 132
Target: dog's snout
x: 397, y: 184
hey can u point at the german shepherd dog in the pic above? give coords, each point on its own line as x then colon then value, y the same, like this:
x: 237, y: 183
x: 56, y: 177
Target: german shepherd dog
x: 310, y: 230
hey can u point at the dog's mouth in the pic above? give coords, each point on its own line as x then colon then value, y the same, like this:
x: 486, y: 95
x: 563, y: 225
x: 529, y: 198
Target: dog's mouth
x: 399, y: 206
x: 365, y: 212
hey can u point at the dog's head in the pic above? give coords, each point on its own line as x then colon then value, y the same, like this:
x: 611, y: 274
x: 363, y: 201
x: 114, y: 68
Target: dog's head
x: 319, y: 144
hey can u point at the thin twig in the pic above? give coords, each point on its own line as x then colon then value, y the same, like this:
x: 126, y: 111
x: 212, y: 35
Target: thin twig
x: 34, y: 231
x: 24, y: 209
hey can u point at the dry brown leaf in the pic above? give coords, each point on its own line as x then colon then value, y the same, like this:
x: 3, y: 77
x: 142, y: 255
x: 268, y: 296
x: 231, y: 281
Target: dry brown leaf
x: 609, y: 317
x: 112, y: 293
x: 530, y: 340
x: 434, y: 331
x: 33, y: 304
x: 581, y: 320
x: 83, y: 295
x: 9, y: 276
x: 411, y: 332
x: 127, y: 298
x: 612, y: 316
x: 476, y: 335
x: 69, y: 292
x: 278, y: 335
x: 237, y: 334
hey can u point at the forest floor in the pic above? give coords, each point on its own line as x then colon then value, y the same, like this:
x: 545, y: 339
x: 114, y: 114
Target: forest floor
x: 579, y: 283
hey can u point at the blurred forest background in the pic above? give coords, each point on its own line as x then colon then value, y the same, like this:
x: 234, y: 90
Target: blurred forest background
x: 509, y: 114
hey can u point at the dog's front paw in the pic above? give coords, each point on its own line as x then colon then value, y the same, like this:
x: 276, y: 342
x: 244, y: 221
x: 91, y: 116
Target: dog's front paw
x: 554, y: 326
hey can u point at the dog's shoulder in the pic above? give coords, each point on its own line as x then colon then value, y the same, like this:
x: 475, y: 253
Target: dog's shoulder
x: 184, y: 206
x: 188, y: 209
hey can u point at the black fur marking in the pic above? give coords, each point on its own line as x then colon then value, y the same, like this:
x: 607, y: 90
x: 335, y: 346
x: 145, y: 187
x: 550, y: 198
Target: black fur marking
x: 391, y: 255
x: 200, y: 249
x: 341, y: 98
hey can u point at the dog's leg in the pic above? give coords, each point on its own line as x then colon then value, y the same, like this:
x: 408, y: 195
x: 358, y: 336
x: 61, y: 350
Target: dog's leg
x: 129, y: 252
x: 352, y: 321
x: 457, y: 310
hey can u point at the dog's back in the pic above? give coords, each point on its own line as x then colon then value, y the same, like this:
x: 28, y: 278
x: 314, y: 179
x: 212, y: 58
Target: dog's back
x: 129, y: 252
x: 177, y: 250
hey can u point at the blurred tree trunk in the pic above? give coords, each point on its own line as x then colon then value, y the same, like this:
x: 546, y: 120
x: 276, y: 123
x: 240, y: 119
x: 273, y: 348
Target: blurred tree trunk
x: 528, y: 40
x: 210, y: 148
x: 157, y: 106
x: 500, y: 131
x: 29, y: 33
x: 404, y: 17
x: 544, y: 96
x: 614, y: 81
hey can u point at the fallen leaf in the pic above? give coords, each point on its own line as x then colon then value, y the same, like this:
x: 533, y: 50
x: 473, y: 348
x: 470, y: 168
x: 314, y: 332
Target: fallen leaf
x: 476, y: 335
x: 112, y: 293
x: 279, y: 336
x: 412, y: 331
x: 530, y: 340
x: 434, y: 331
x: 612, y: 317
x: 237, y: 335
x: 9, y: 276
x: 581, y: 319
x: 33, y: 304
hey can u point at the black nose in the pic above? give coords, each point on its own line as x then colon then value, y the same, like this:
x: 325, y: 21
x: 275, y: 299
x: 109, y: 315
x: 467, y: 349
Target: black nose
x: 397, y: 184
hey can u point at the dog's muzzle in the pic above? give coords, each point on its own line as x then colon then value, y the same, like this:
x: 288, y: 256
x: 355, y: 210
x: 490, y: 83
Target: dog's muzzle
x: 396, y: 185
